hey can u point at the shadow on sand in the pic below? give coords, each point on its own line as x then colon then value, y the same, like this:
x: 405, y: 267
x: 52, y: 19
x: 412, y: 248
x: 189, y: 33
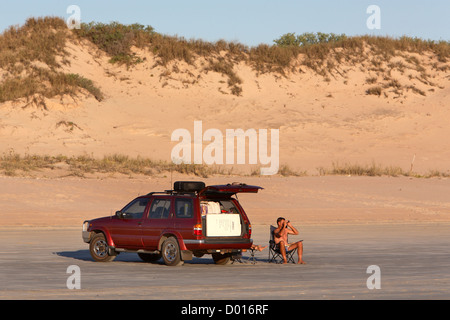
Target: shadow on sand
x: 84, y: 255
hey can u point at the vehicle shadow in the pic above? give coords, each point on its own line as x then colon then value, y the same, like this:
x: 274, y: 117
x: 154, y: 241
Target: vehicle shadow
x: 84, y: 255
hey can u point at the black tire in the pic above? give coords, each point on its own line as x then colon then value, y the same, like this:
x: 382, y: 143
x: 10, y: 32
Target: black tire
x: 149, y: 257
x: 188, y: 186
x: 99, y: 249
x: 221, y: 259
x: 170, y: 252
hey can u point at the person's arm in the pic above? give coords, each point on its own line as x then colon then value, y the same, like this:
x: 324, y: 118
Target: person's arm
x: 294, y: 230
x: 277, y: 231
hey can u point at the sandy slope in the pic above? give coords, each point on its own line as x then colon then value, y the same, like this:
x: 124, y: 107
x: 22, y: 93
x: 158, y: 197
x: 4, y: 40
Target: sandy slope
x: 321, y: 121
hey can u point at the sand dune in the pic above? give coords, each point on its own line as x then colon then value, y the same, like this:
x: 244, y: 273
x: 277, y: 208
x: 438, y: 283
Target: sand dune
x: 322, y: 119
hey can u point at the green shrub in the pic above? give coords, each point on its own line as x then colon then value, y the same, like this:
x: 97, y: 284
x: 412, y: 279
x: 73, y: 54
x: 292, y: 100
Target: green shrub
x: 116, y: 39
x: 306, y: 39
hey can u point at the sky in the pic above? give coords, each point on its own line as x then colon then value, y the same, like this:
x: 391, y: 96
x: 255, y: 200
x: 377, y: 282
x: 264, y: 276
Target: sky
x: 250, y: 22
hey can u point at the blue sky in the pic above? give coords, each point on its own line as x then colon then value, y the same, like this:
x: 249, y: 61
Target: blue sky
x: 249, y: 21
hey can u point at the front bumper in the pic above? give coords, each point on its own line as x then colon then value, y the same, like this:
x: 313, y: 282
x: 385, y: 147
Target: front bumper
x: 85, y: 234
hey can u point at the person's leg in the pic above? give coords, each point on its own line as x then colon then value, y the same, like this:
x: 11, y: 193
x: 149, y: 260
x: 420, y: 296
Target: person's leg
x: 283, y: 251
x: 257, y: 247
x: 299, y: 246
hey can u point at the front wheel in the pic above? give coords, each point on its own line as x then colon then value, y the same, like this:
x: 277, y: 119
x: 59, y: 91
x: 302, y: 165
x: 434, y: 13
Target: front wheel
x: 98, y: 248
x: 171, y: 252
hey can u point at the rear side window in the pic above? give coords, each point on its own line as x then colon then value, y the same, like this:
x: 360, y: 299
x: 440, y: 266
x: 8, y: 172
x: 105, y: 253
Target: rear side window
x: 184, y: 208
x: 160, y: 209
x: 227, y: 206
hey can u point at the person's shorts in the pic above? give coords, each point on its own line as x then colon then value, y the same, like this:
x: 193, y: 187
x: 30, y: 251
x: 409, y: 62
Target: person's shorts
x: 287, y: 246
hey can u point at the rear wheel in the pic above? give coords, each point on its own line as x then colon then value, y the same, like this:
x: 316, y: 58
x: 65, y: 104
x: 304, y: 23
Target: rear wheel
x: 99, y: 249
x: 221, y: 259
x: 171, y: 252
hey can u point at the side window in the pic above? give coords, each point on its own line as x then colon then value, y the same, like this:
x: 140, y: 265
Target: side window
x: 184, y: 208
x: 136, y: 209
x: 160, y: 209
x: 227, y: 206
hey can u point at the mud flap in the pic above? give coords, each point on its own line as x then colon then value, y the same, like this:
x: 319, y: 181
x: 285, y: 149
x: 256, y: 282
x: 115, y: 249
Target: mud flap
x: 186, y: 255
x: 112, y: 251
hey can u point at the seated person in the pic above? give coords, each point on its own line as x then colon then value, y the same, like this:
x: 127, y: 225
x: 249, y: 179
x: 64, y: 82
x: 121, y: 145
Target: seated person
x: 281, y: 235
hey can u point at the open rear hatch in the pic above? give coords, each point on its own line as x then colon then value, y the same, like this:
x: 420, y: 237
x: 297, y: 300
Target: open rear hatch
x: 228, y: 189
x: 221, y: 216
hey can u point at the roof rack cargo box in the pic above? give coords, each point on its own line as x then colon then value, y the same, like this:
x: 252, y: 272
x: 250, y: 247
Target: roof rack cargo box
x: 188, y: 186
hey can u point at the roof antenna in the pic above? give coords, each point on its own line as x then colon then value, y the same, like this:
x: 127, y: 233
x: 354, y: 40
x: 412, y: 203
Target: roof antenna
x: 170, y: 188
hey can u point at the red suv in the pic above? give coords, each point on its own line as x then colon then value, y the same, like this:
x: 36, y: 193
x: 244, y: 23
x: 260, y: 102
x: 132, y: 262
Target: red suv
x: 191, y: 220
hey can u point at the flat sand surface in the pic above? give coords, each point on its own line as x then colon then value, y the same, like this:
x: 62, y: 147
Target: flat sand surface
x: 303, y: 200
x: 347, y: 224
x: 413, y: 261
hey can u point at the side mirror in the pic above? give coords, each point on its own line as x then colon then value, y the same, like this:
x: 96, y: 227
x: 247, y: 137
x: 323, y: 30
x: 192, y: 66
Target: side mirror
x: 119, y: 214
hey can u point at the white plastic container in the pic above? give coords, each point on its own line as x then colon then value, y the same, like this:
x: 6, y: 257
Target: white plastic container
x: 223, y: 225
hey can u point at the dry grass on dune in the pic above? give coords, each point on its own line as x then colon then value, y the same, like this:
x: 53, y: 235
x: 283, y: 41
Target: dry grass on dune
x: 30, y: 68
x: 29, y: 64
x: 13, y: 164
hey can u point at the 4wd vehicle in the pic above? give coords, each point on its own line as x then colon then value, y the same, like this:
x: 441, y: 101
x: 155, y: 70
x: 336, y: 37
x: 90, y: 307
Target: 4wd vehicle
x: 191, y: 220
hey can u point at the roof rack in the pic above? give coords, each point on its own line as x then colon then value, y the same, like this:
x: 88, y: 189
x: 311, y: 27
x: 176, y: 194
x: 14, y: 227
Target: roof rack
x: 172, y: 192
x: 157, y: 192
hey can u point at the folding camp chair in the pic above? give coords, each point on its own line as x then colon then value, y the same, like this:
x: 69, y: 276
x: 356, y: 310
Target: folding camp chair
x: 251, y: 259
x: 274, y: 250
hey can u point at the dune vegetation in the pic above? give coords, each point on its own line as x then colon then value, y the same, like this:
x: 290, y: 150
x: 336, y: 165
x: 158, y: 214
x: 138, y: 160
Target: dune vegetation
x: 31, y: 55
x: 33, y: 58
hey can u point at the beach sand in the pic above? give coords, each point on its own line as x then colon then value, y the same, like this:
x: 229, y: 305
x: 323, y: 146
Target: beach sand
x: 327, y: 200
